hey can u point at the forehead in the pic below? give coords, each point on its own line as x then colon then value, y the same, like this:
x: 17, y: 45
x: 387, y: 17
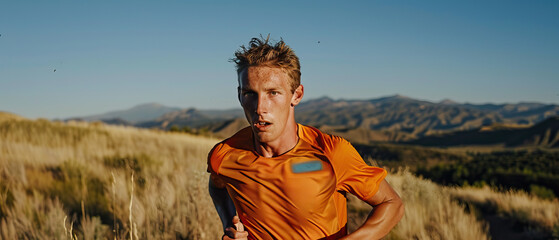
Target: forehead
x: 263, y: 76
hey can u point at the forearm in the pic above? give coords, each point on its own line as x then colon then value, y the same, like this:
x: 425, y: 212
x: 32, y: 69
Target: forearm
x: 380, y: 221
x: 223, y: 204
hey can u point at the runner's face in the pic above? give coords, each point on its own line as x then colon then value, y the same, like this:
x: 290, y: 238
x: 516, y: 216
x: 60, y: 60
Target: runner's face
x: 266, y: 97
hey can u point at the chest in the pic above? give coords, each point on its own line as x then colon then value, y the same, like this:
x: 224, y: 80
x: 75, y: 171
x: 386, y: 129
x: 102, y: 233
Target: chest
x: 298, y: 182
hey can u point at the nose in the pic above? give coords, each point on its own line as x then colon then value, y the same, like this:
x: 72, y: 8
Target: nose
x: 261, y: 104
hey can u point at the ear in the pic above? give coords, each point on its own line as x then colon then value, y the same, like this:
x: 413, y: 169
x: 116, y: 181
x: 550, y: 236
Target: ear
x: 297, y: 95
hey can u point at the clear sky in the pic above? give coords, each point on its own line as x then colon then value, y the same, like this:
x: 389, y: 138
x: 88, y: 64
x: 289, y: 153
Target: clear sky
x: 112, y: 55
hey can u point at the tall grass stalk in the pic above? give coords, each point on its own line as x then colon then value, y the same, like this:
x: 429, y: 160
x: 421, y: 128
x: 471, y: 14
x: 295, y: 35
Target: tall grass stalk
x: 130, y: 208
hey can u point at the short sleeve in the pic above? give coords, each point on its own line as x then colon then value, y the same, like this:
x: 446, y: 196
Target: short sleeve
x: 215, y: 157
x: 353, y: 175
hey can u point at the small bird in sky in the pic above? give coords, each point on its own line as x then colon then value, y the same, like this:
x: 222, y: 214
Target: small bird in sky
x: 54, y: 70
x: 318, y: 42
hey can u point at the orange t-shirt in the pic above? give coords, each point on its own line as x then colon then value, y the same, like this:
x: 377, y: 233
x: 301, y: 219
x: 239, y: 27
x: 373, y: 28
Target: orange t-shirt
x: 299, y: 194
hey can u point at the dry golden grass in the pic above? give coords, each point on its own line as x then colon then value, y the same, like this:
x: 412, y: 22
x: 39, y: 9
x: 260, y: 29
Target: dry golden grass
x: 516, y: 205
x: 430, y: 212
x: 5, y: 116
x: 49, y: 170
x: 74, y: 181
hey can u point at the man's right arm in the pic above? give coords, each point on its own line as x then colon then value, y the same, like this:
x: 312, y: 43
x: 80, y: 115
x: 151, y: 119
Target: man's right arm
x: 232, y: 225
x: 223, y: 203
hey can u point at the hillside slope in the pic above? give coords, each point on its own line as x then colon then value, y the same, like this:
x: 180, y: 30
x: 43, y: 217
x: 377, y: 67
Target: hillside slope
x: 398, y: 118
x: 139, y: 113
x: 105, y: 182
x: 407, y: 119
x: 5, y: 116
x: 393, y: 118
x: 543, y: 134
x: 57, y: 176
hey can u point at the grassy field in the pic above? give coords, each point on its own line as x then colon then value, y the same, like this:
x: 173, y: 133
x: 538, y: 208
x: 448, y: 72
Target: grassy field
x: 93, y: 181
x: 102, y: 182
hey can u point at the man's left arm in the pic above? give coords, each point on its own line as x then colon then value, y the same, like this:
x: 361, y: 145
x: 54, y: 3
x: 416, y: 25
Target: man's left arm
x: 387, y: 211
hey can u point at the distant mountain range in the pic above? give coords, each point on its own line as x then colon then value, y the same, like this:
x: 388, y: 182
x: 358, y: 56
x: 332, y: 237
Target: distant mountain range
x: 192, y: 118
x: 137, y: 114
x: 399, y: 118
x: 395, y: 118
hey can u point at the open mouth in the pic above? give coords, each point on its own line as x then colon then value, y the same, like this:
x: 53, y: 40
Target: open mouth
x: 262, y: 124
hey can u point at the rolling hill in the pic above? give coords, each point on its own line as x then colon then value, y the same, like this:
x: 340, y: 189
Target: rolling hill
x: 543, y: 134
x: 136, y: 114
x: 193, y: 118
x: 401, y: 118
x: 394, y: 119
x: 4, y: 116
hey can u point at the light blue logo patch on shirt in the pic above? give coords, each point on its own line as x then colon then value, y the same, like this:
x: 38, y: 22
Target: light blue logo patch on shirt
x: 304, y: 167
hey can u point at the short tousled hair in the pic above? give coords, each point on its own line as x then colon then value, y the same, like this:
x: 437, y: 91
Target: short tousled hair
x: 261, y: 52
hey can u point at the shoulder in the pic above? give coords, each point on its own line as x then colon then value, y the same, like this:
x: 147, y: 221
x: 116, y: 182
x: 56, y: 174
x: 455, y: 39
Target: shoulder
x: 321, y: 140
x: 241, y: 140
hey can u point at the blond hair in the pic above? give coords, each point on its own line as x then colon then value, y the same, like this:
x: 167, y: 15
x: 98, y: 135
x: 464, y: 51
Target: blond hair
x: 261, y: 52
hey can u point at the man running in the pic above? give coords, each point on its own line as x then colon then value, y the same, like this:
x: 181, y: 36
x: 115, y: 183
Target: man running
x: 283, y: 179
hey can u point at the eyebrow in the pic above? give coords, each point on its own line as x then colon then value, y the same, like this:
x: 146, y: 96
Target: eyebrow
x: 272, y: 89
x: 266, y: 89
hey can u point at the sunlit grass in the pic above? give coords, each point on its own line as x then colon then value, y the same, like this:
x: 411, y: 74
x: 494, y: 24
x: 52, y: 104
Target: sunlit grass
x: 74, y: 180
x: 50, y: 170
x: 430, y: 212
x: 518, y: 206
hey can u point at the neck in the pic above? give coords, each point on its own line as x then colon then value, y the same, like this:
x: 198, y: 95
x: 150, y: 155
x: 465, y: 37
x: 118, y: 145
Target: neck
x: 283, y: 144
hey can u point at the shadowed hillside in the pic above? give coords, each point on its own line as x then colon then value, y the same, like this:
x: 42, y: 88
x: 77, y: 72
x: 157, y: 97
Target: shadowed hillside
x: 194, y: 118
x: 544, y: 134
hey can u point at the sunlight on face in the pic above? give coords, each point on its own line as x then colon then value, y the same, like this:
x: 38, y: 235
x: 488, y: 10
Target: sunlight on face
x: 266, y: 97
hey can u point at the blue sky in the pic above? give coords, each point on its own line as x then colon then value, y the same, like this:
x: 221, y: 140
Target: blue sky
x: 112, y: 55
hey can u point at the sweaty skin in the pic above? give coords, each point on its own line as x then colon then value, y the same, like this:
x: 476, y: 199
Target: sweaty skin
x: 269, y: 105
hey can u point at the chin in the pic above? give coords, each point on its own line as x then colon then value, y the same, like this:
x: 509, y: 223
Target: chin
x: 263, y: 137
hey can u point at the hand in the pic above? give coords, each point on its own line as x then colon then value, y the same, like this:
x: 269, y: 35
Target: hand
x: 236, y: 232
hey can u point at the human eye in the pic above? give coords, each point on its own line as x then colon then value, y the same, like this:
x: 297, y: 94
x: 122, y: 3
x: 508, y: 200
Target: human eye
x: 248, y: 93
